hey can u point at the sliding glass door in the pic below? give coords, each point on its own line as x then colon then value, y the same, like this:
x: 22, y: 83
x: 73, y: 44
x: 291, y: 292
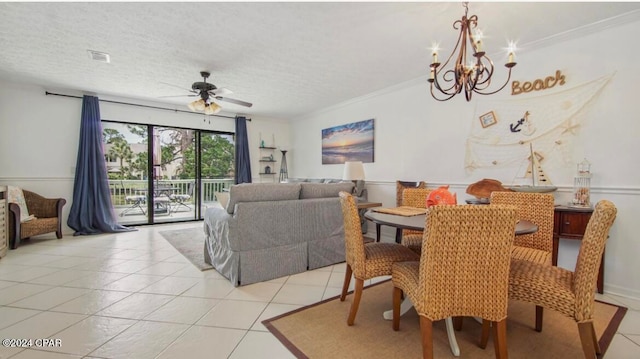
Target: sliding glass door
x: 217, y: 154
x: 176, y: 182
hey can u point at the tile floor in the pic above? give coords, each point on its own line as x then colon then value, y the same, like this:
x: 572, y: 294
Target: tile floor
x: 132, y: 295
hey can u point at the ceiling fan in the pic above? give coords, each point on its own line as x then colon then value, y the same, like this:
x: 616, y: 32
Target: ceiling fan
x: 207, y: 93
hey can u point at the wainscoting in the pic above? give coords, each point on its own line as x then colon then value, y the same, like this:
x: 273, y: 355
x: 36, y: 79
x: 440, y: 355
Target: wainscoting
x: 622, y: 248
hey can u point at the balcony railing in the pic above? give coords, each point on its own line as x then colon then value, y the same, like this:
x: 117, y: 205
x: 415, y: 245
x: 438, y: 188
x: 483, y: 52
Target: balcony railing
x: 120, y: 189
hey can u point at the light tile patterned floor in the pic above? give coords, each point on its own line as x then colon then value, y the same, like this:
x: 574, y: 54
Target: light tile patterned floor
x: 132, y: 295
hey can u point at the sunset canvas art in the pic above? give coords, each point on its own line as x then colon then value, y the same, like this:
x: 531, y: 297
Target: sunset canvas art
x: 350, y: 142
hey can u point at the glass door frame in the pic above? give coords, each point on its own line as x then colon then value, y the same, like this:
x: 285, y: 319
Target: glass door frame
x: 197, y: 193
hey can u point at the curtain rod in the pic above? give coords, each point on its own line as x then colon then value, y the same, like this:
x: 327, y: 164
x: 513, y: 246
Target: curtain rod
x: 138, y: 105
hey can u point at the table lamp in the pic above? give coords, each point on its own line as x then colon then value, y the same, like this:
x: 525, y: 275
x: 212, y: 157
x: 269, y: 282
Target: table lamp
x: 353, y: 171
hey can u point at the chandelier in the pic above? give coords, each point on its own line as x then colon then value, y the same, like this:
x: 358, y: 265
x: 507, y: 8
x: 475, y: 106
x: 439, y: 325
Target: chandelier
x: 472, y: 74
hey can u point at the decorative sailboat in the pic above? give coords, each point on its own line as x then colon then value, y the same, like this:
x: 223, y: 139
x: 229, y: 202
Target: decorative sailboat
x: 539, y: 181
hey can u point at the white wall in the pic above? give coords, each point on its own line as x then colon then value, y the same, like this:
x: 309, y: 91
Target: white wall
x: 418, y: 138
x: 39, y: 135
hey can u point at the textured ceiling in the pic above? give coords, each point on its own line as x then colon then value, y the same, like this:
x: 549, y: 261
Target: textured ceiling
x: 288, y: 59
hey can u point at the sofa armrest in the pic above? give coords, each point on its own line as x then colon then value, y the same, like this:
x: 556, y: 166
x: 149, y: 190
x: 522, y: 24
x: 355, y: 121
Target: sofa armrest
x: 218, y: 225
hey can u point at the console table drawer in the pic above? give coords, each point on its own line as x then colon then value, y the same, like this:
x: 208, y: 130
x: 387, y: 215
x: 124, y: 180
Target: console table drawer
x: 572, y: 224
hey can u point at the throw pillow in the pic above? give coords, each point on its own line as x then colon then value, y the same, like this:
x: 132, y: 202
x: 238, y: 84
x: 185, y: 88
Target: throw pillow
x: 258, y: 192
x: 15, y: 195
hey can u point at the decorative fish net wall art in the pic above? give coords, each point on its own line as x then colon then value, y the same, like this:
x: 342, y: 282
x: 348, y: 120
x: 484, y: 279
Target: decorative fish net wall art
x: 549, y: 123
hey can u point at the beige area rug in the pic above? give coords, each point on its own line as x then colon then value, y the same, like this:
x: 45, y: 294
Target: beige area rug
x: 320, y: 331
x: 190, y: 243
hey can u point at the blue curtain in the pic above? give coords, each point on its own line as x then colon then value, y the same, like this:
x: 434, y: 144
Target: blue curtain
x: 243, y: 162
x: 91, y: 211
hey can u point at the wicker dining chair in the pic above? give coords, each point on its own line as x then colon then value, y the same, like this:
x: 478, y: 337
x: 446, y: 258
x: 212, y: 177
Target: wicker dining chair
x: 401, y: 185
x: 570, y: 293
x: 414, y: 197
x: 537, y: 208
x: 463, y: 271
x: 365, y: 261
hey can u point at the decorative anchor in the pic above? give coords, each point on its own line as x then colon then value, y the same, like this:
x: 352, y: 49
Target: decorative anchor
x: 523, y: 121
x: 518, y: 124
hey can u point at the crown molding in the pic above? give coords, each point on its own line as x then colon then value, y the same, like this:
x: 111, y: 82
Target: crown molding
x: 582, y: 31
x: 572, y: 34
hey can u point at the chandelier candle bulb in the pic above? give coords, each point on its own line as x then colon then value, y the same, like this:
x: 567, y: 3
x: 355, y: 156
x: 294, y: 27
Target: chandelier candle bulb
x: 479, y: 46
x: 435, y: 57
x: 510, y: 57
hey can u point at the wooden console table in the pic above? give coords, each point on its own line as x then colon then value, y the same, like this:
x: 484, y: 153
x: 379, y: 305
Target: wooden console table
x: 571, y: 223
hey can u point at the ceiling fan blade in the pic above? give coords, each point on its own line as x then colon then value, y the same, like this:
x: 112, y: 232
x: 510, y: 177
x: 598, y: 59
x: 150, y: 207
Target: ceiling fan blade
x: 177, y: 96
x: 237, y: 102
x: 180, y: 87
x: 221, y: 92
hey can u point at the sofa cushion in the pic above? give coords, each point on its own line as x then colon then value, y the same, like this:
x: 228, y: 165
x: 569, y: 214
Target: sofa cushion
x: 258, y: 192
x: 323, y: 190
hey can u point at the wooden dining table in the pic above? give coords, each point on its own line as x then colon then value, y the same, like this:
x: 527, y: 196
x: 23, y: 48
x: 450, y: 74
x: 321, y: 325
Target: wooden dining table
x: 417, y: 222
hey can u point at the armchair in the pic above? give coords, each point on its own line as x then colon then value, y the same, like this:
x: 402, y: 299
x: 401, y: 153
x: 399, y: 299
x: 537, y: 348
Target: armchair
x: 48, y: 213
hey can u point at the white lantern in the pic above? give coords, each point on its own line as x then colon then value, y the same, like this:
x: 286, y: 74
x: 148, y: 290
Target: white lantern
x: 582, y: 185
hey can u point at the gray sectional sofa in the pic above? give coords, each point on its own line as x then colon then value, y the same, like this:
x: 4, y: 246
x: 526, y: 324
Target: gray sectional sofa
x: 273, y: 230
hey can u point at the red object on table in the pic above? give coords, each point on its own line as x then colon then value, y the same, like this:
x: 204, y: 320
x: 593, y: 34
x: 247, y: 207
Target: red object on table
x: 441, y: 195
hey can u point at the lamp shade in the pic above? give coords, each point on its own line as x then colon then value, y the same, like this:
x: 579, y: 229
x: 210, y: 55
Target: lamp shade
x: 353, y: 170
x: 197, y: 105
x: 212, y: 108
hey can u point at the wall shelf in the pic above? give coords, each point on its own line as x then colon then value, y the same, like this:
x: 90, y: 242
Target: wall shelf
x: 267, y: 163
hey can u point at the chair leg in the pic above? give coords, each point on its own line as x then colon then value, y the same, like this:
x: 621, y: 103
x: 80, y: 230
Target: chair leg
x: 357, y: 294
x: 345, y: 285
x: 484, y: 337
x: 595, y: 340
x: 587, y: 338
x: 14, y: 242
x: 500, y: 338
x: 539, y: 313
x: 457, y: 323
x: 59, y: 229
x: 397, y: 299
x: 426, y: 330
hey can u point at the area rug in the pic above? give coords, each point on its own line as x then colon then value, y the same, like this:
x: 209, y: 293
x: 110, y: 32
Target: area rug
x: 320, y: 331
x: 190, y: 243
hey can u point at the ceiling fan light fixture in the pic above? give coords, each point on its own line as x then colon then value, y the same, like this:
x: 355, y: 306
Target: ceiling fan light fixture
x: 198, y: 105
x: 212, y: 108
x: 207, y: 93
